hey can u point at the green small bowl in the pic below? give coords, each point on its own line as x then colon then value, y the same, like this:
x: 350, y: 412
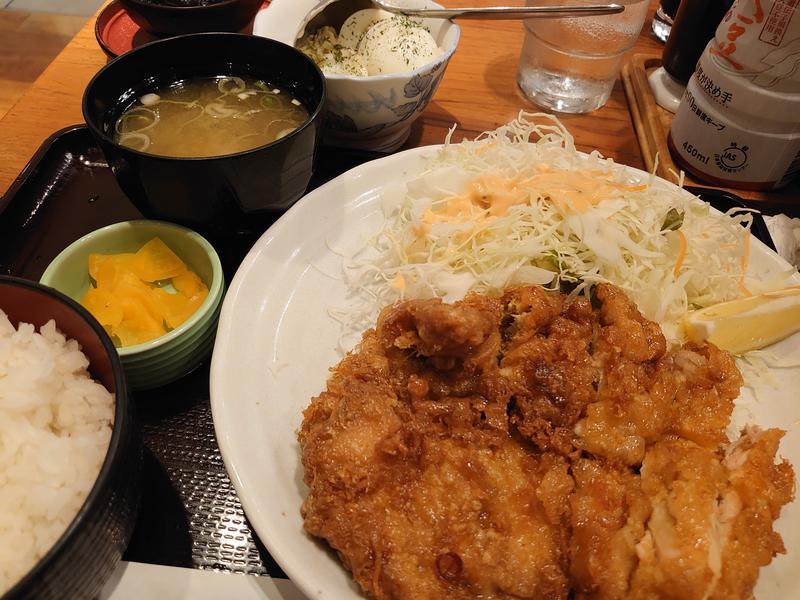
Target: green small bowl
x: 174, y: 354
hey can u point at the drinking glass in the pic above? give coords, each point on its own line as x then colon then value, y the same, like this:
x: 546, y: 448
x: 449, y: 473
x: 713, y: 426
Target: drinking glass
x: 570, y: 64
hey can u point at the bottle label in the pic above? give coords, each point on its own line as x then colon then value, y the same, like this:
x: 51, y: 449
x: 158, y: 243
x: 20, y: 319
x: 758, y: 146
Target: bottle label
x: 721, y: 152
x: 778, y: 22
x: 759, y: 40
x: 716, y: 91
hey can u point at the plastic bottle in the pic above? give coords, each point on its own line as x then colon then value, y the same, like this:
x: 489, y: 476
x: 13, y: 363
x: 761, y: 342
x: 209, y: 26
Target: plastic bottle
x: 738, y: 124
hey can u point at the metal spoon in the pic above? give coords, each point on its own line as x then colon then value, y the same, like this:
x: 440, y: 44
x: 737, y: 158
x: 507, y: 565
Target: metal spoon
x: 502, y: 12
x: 335, y: 12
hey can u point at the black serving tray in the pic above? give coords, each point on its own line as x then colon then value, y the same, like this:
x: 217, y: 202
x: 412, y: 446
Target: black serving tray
x: 190, y: 515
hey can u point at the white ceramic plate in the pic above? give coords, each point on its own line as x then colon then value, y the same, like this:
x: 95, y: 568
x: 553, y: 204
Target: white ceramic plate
x: 276, y: 342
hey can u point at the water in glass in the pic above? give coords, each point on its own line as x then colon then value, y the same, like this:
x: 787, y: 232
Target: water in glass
x: 570, y: 65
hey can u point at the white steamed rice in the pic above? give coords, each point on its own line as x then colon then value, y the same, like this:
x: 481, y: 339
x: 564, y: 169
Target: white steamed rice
x: 55, y: 427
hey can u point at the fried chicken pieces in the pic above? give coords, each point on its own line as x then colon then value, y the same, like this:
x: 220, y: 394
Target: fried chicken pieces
x: 528, y: 446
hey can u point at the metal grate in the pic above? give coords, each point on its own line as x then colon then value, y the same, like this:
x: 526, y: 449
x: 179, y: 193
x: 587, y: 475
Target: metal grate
x: 190, y: 514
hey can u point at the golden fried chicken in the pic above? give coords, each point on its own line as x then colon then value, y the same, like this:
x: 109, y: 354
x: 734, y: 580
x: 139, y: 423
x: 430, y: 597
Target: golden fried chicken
x: 602, y: 382
x: 757, y: 489
x: 609, y: 513
x: 547, y: 360
x: 414, y: 478
x: 531, y: 446
x: 696, y: 524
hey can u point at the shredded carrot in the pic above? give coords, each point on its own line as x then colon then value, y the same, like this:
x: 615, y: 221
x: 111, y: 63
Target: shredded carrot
x: 637, y: 188
x: 421, y: 230
x: 485, y: 147
x: 744, y: 261
x: 399, y: 282
x: 681, y: 254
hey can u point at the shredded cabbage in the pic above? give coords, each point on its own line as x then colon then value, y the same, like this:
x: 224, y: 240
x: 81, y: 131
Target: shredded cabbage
x: 520, y: 205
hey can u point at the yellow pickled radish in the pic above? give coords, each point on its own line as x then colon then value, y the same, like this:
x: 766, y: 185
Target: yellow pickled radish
x: 189, y: 285
x: 155, y: 261
x: 747, y: 324
x: 137, y: 325
x: 104, y: 306
x: 127, y: 302
x: 131, y: 287
x: 104, y: 269
x: 175, y: 308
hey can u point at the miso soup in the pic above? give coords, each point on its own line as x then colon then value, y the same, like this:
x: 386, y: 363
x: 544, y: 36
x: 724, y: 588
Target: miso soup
x: 209, y: 116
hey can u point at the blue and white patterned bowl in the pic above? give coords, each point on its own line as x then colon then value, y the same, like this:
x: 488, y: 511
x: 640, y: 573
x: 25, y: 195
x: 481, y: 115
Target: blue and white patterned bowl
x: 373, y: 112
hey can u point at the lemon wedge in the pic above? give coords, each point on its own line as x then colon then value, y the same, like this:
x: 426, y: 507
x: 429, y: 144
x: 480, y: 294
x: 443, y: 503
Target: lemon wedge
x: 747, y: 324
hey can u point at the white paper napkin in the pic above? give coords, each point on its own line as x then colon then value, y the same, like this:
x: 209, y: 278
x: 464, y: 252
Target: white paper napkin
x: 785, y: 232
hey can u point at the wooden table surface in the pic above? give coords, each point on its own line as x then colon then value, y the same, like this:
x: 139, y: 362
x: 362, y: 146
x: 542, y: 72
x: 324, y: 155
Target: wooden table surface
x: 478, y: 93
